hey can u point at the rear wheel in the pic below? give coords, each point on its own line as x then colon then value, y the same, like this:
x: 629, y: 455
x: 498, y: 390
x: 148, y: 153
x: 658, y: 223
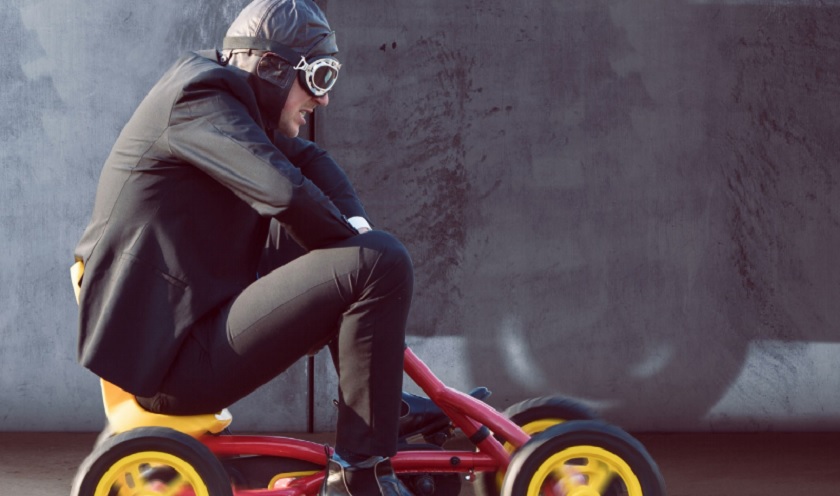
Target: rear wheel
x: 533, y: 416
x: 149, y: 461
x: 583, y: 458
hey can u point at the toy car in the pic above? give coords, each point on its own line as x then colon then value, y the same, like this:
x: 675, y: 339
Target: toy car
x: 543, y: 446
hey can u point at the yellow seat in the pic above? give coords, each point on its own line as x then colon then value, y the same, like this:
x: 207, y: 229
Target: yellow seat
x: 124, y: 413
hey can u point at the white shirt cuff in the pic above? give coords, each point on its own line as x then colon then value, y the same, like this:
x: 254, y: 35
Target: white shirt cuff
x: 358, y: 222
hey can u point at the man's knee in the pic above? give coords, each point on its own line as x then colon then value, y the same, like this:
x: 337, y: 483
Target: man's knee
x: 392, y: 253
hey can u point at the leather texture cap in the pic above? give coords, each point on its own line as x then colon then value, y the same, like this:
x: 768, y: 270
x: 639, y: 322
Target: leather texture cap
x: 279, y: 25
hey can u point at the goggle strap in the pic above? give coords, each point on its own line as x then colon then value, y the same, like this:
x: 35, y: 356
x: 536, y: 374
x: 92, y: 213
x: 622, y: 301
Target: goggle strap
x: 248, y: 43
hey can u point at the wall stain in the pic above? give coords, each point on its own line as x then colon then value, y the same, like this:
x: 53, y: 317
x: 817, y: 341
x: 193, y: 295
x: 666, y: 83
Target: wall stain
x: 781, y: 176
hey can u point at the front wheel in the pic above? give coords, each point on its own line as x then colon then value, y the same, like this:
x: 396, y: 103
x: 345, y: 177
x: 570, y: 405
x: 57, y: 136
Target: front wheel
x: 533, y: 416
x: 150, y: 461
x: 583, y: 458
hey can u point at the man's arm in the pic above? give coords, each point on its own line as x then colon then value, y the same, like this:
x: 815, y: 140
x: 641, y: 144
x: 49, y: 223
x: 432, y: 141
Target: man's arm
x: 320, y: 168
x: 211, y: 130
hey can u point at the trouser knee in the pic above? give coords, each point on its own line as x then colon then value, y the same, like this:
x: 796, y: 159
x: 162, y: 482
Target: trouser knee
x: 393, y: 257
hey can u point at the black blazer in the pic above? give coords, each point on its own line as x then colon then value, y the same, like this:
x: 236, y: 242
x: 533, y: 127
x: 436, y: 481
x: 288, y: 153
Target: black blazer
x: 182, y: 214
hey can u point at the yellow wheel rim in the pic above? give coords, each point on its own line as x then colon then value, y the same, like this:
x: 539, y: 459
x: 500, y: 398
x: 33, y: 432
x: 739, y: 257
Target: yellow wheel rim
x: 535, y: 427
x: 289, y: 476
x: 584, y: 471
x: 530, y: 428
x: 129, y: 476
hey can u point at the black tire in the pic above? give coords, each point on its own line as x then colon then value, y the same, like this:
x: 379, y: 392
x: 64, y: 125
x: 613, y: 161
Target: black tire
x: 129, y: 462
x: 534, y: 415
x: 596, y: 455
x: 549, y: 407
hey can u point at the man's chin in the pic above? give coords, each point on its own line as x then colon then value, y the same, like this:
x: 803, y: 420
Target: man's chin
x: 289, y: 131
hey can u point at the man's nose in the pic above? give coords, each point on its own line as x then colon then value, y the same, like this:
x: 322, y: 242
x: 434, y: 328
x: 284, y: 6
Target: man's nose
x: 323, y: 100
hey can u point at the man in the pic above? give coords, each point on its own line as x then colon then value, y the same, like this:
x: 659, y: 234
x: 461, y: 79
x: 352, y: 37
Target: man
x: 185, y: 303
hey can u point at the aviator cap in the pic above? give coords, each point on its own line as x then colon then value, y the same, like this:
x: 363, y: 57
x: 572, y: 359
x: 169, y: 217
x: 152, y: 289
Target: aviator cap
x: 273, y: 40
x: 282, y: 25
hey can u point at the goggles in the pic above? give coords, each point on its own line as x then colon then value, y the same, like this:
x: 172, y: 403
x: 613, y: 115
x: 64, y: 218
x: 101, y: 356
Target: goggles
x: 318, y: 76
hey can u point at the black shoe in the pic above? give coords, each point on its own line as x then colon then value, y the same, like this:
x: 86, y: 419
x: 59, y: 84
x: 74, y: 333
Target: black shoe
x: 373, y: 477
x: 420, y: 415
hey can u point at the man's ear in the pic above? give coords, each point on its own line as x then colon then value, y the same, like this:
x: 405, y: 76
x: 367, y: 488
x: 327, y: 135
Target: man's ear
x: 275, y: 69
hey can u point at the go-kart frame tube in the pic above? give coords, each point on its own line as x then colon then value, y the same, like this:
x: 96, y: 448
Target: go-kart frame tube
x: 474, y: 417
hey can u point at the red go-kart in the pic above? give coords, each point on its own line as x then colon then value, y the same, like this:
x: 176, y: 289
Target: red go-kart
x: 543, y: 446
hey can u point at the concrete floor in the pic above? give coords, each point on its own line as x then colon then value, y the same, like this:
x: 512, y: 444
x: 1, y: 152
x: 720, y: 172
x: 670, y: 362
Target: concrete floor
x: 802, y: 464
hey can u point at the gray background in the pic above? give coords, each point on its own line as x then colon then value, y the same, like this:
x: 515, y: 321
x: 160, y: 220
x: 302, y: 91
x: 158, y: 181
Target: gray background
x: 630, y: 203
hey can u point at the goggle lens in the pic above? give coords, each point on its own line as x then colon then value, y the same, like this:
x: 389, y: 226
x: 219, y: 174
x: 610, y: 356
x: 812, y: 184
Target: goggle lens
x: 319, y: 75
x: 324, y: 77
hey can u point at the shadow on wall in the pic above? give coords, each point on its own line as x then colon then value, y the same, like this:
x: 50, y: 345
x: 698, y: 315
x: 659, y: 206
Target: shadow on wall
x: 679, y: 272
x: 637, y: 203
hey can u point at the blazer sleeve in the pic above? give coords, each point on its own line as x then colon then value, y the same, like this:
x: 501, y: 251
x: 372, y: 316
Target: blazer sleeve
x: 319, y: 167
x: 212, y: 130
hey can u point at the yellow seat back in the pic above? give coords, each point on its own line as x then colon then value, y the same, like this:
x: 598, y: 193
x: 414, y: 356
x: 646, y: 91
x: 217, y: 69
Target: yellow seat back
x: 76, y: 273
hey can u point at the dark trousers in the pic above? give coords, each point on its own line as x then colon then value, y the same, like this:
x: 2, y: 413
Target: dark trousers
x: 354, y: 296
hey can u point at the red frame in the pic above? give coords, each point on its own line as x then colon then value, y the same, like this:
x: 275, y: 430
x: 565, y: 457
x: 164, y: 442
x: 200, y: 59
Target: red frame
x: 466, y: 413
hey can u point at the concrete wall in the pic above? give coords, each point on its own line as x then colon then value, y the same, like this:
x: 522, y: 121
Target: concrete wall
x: 631, y: 203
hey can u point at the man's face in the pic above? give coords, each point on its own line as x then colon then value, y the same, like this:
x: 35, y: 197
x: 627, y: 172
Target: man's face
x: 299, y: 105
